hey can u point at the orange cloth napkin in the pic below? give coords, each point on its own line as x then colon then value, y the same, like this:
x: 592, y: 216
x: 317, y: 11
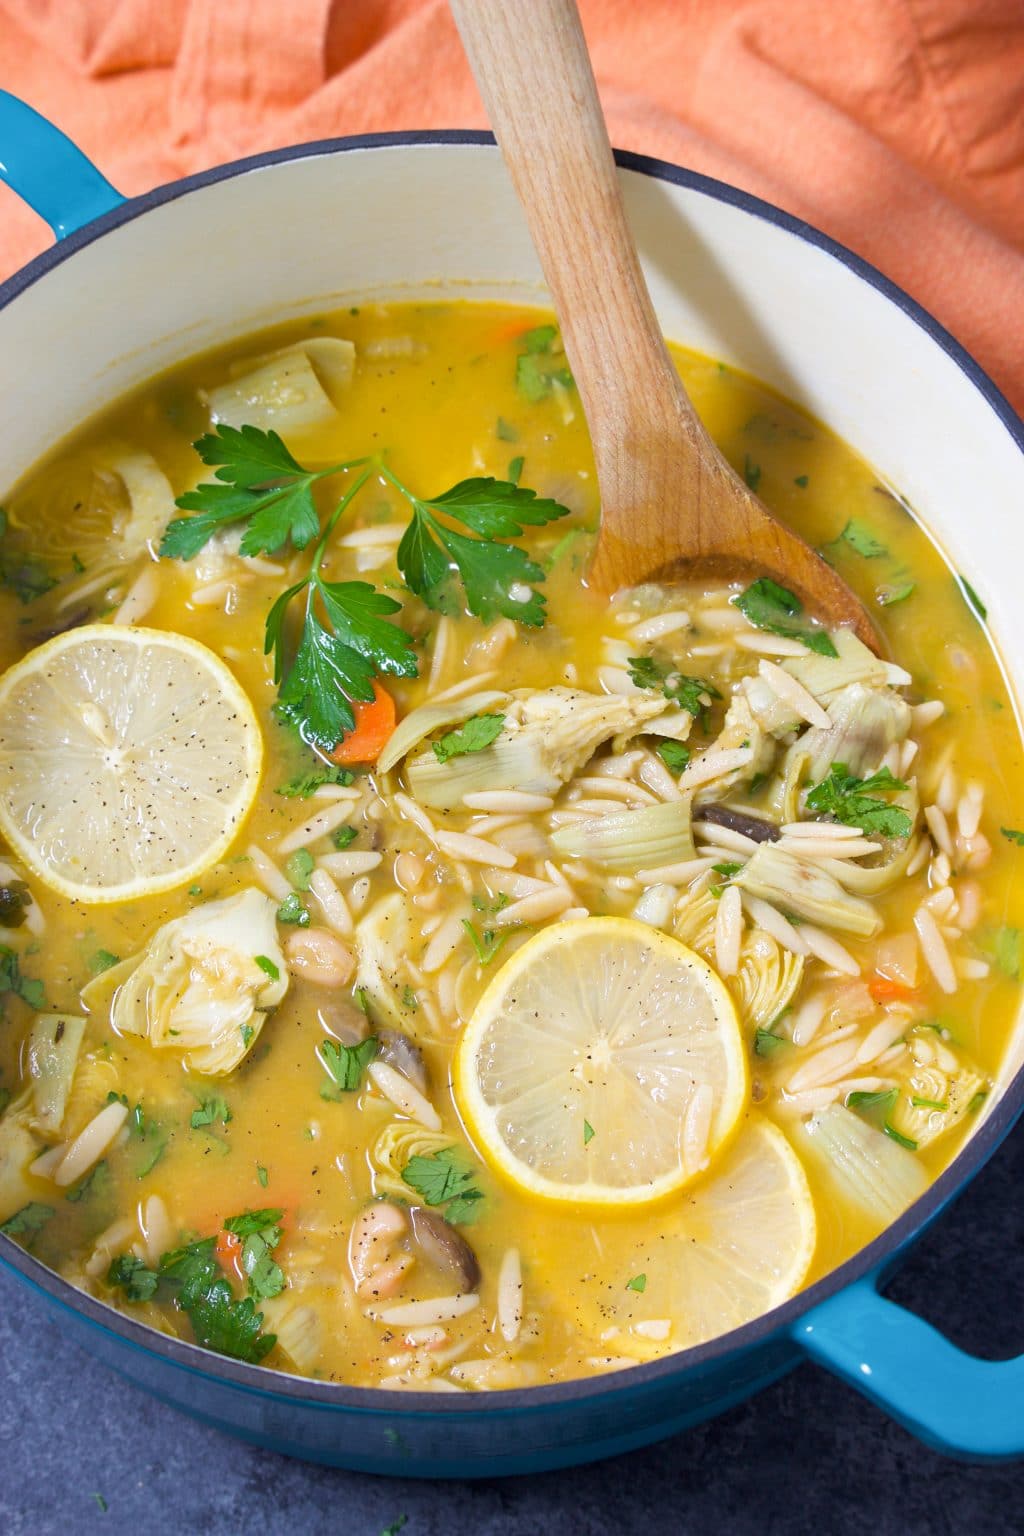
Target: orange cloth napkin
x: 897, y: 126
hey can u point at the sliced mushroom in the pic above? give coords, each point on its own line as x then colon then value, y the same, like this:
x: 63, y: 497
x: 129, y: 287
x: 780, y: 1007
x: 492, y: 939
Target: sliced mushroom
x: 437, y: 1241
x: 398, y: 1051
x: 755, y: 827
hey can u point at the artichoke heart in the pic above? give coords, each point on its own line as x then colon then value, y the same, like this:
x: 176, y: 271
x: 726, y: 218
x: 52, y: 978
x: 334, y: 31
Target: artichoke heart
x: 825, y: 676
x: 548, y: 734
x: 19, y: 1147
x: 794, y: 884
x: 200, y: 988
x: 865, y: 723
x: 627, y: 841
x: 767, y: 977
x: 935, y: 1099
x: 384, y: 938
x: 53, y: 1048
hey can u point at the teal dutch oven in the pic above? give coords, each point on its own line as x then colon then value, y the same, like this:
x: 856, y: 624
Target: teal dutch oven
x: 134, y: 286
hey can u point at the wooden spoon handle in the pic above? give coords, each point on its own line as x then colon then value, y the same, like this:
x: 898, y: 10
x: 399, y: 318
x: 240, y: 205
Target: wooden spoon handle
x: 531, y: 64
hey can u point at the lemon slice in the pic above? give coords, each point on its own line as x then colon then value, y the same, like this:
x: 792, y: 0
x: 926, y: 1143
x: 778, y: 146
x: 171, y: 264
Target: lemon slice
x: 128, y: 760
x: 736, y: 1245
x: 603, y: 1065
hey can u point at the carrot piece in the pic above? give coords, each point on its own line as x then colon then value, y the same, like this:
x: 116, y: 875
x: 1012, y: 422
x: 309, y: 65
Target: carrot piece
x: 884, y: 989
x: 375, y: 722
x: 228, y: 1253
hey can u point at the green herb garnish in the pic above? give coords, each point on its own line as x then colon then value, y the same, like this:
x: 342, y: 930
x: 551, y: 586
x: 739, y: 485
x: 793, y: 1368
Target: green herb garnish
x: 588, y: 1133
x: 102, y: 960
x: 476, y: 733
x: 132, y: 1276
x: 299, y: 867
x: 303, y: 784
x: 768, y: 606
x: 1013, y: 836
x: 751, y: 472
x: 638, y: 1284
x: 673, y: 754
x: 694, y: 694
x: 260, y: 1235
x: 446, y: 1178
x: 293, y: 910
x: 538, y: 368
x: 344, y: 837
x: 899, y: 1138
x: 11, y: 980
x: 28, y: 1222
x: 347, y: 637
x: 886, y: 597
x: 861, y: 539
x: 850, y: 800
x: 487, y: 944
x: 766, y: 1042
x: 15, y: 896
x: 268, y: 966
x: 345, y: 1065
x: 211, y: 1111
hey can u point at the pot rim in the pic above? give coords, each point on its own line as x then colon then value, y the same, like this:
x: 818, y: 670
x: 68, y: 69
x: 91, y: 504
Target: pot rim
x: 262, y: 1380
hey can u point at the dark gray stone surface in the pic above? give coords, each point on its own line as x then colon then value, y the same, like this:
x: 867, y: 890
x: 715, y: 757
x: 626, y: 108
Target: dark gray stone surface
x: 806, y: 1458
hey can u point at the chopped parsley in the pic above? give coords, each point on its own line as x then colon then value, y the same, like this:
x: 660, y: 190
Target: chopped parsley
x: 673, y: 754
x: 768, y: 606
x: 273, y: 971
x: 538, y: 368
x: 201, y: 1290
x: 850, y: 800
x: 514, y: 472
x: 212, y: 1111
x: 882, y: 1098
x: 28, y: 1222
x: 345, y: 1065
x: 1013, y: 836
x: 409, y: 999
x: 446, y: 1178
x: 260, y: 1235
x: 299, y: 867
x: 132, y: 1276
x: 11, y: 980
x: 767, y: 1042
x: 1004, y: 946
x: 886, y: 597
x: 102, y: 960
x: 344, y: 837
x: 304, y: 784
x: 694, y: 694
x: 96, y: 1182
x: 293, y: 910
x: 505, y: 431
x: 638, y: 1284
x: 802, y: 481
x: 476, y: 733
x: 487, y: 944
x: 859, y: 537
x: 588, y: 1133
x: 262, y: 1175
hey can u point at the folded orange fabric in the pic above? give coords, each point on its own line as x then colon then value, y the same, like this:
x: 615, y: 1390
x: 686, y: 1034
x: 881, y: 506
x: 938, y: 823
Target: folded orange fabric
x: 897, y: 126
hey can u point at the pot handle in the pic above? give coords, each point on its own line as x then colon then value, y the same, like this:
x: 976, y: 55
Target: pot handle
x: 948, y: 1399
x: 49, y: 172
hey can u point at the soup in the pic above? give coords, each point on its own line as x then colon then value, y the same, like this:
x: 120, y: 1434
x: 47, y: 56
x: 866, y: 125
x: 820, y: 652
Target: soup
x: 421, y: 972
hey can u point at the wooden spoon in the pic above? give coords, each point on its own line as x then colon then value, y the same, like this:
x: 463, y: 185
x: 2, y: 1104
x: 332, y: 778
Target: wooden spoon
x: 669, y: 501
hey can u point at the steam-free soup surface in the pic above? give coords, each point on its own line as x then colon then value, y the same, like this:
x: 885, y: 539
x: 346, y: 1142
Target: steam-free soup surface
x: 384, y: 1229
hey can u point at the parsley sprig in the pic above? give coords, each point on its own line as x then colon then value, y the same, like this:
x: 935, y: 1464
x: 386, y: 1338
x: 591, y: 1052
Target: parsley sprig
x: 852, y: 801
x: 446, y: 1178
x: 767, y: 605
x: 694, y: 694
x: 347, y: 637
x: 201, y: 1290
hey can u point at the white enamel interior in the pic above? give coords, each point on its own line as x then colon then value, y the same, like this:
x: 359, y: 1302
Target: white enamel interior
x: 295, y: 236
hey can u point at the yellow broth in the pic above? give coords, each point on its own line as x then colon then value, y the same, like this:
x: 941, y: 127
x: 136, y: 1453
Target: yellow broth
x: 442, y: 403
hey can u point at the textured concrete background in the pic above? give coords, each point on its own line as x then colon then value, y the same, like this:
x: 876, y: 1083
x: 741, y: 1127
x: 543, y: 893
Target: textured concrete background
x: 806, y: 1458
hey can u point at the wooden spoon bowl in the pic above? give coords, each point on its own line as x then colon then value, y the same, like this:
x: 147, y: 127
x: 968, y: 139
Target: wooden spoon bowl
x: 670, y: 503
